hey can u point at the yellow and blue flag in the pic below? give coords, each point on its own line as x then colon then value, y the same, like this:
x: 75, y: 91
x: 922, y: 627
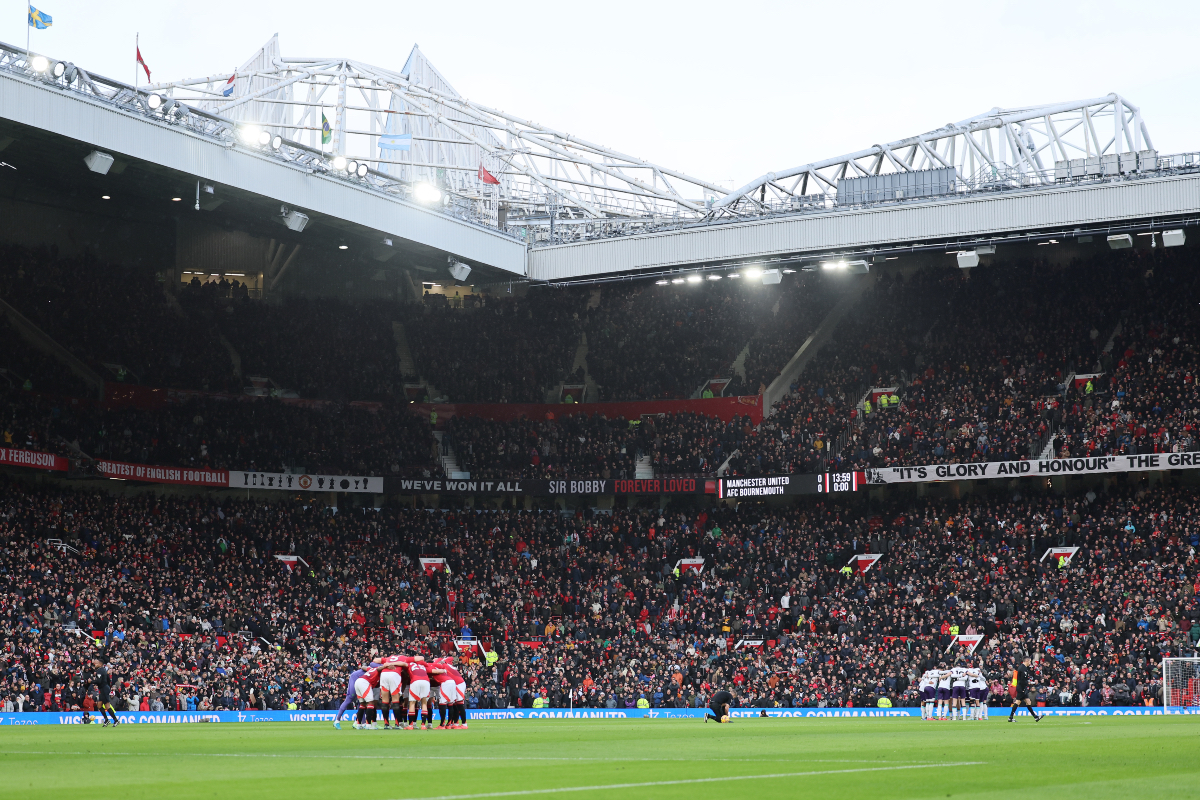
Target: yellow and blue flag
x: 326, y: 131
x: 39, y: 19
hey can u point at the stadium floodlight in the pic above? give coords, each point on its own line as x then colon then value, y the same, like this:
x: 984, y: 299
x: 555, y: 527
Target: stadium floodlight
x: 833, y: 265
x: 714, y: 277
x: 98, y: 162
x: 264, y: 137
x: 986, y: 249
x: 427, y: 193
x: 105, y: 197
x: 343, y: 247
x: 250, y: 134
x: 40, y: 63
x: 176, y: 199
x: 155, y: 102
x: 339, y: 163
x: 734, y: 275
x: 352, y: 167
x: 968, y: 259
x: 363, y: 170
x: 753, y: 272
x: 677, y: 280
x: 1120, y: 241
x: 771, y: 276
x: 859, y: 267
x: 276, y: 142
x: 663, y: 282
x: 1174, y: 238
x: 60, y: 69
x: 694, y: 279
x: 294, y: 220
x: 789, y: 272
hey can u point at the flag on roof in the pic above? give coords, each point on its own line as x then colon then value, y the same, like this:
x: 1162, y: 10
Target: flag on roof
x: 39, y: 19
x: 395, y: 141
x: 485, y: 176
x: 142, y: 61
x: 228, y: 90
x: 326, y: 131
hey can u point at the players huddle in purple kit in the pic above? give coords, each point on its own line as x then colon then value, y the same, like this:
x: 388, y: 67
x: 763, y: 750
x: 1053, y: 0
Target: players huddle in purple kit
x: 388, y: 681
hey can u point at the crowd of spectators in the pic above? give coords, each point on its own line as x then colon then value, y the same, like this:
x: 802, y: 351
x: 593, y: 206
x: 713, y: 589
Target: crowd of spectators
x: 588, y: 608
x: 498, y: 350
x: 580, y: 445
x: 250, y: 434
x: 30, y: 370
x: 315, y: 347
x: 1145, y: 399
x: 652, y: 342
x: 117, y: 320
x: 978, y: 365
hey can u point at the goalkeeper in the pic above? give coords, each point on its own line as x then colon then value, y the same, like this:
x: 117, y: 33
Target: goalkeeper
x: 719, y: 705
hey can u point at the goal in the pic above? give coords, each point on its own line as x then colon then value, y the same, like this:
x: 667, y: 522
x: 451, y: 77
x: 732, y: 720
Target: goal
x: 1181, y: 681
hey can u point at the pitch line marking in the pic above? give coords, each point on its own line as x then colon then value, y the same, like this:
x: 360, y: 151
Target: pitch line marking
x: 906, y: 764
x: 612, y: 786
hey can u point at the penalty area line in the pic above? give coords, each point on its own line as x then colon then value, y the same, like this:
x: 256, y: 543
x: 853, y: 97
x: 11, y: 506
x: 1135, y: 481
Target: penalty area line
x: 683, y: 782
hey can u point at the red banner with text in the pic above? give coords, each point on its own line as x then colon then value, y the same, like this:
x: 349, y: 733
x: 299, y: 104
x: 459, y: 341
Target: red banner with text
x: 151, y: 474
x: 32, y: 458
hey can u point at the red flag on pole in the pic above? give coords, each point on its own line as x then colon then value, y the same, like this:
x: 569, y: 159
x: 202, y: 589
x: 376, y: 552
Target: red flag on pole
x: 142, y: 61
x: 485, y: 176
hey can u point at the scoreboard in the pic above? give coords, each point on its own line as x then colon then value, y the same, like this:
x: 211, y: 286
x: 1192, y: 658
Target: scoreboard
x: 775, y: 485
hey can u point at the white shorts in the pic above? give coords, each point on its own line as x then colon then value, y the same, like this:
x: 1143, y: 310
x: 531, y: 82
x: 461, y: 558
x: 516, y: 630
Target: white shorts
x: 365, y: 692
x: 448, y: 692
x: 390, y: 680
x: 461, y: 689
x: 418, y: 690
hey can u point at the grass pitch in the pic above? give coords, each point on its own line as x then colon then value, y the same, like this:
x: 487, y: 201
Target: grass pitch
x: 1060, y: 758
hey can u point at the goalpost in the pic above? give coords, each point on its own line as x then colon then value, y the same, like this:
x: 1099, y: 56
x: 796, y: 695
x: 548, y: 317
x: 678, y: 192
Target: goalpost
x: 1181, y: 681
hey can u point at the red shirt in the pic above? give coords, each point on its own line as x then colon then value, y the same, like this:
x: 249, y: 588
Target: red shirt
x: 451, y: 674
x: 416, y: 669
x: 391, y: 664
x: 372, y: 676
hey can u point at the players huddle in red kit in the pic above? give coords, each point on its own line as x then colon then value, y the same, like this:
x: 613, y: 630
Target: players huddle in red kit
x: 390, y: 680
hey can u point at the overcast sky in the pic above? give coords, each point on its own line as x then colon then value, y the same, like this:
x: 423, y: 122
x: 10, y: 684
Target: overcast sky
x: 725, y: 91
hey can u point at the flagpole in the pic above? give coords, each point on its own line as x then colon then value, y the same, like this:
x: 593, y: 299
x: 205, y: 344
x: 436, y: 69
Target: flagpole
x: 136, y: 49
x: 28, y: 14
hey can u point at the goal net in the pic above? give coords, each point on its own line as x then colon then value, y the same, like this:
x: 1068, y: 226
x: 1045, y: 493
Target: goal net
x: 1181, y: 681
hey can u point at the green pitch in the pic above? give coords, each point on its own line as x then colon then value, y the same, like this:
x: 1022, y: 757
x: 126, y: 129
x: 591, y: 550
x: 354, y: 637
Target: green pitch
x: 1059, y: 758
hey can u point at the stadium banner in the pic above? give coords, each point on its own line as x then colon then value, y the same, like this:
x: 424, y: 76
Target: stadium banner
x: 773, y: 485
x: 551, y: 714
x: 1101, y: 465
x: 290, y: 482
x: 32, y: 458
x: 1060, y: 552
x: 564, y: 486
x: 863, y: 562
x: 149, y: 473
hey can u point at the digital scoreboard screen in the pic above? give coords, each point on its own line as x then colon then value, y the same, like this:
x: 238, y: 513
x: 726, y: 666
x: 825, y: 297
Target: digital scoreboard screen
x: 776, y: 485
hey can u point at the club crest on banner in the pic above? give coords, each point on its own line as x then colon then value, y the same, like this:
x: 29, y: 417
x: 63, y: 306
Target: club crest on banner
x: 1060, y: 552
x: 432, y: 565
x: 291, y: 561
x: 863, y: 563
x: 969, y: 641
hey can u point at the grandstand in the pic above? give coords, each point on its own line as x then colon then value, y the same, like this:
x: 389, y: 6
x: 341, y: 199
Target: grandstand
x: 455, y: 382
